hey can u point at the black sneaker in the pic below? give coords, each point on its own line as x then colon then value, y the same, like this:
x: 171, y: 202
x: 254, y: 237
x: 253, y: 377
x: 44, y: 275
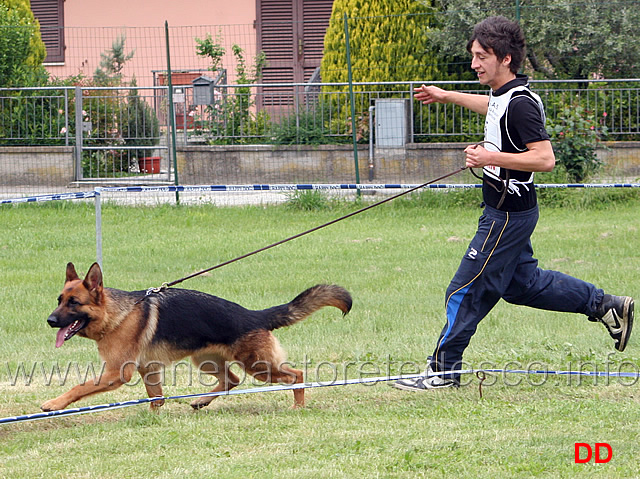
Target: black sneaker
x: 616, y: 313
x: 425, y: 382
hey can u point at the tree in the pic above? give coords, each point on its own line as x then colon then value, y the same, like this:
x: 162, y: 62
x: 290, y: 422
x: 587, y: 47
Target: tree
x: 112, y: 62
x: 386, y: 42
x: 21, y: 48
x: 211, y: 49
x: 566, y: 39
x: 232, y: 113
x: 37, y: 48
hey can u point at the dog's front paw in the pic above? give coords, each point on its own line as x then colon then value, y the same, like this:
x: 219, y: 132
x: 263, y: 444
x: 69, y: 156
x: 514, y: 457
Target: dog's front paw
x: 53, y: 405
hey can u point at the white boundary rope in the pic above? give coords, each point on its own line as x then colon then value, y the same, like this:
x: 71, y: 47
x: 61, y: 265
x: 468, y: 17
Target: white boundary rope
x: 287, y: 387
x: 232, y: 392
x: 281, y: 187
x: 52, y: 197
x: 344, y: 186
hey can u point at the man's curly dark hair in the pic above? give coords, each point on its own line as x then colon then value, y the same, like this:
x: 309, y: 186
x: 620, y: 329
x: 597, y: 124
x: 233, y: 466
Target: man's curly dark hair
x: 501, y: 36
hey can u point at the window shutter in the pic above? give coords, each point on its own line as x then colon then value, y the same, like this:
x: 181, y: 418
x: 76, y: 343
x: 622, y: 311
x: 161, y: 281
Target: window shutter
x: 316, y: 15
x: 50, y: 14
x: 291, y: 34
x: 275, y: 39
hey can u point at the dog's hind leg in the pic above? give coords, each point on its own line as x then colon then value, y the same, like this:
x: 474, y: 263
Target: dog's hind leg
x: 262, y: 356
x: 281, y: 374
x: 287, y: 375
x: 218, y: 367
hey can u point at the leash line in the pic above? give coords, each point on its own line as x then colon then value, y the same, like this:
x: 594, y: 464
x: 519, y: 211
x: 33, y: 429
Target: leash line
x: 349, y: 215
x: 361, y: 210
x: 481, y: 376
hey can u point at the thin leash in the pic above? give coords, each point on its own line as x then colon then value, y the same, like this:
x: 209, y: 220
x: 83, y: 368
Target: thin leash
x: 164, y: 286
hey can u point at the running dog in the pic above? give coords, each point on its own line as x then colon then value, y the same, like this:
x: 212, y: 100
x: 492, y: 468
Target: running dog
x: 140, y: 331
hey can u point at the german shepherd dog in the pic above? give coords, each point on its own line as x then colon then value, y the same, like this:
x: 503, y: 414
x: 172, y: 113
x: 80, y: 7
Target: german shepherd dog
x: 136, y: 331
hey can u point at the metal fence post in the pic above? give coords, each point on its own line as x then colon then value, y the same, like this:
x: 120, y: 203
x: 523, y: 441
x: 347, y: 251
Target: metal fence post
x: 98, y: 204
x: 172, y: 117
x: 79, y: 133
x: 352, y: 100
x: 66, y: 117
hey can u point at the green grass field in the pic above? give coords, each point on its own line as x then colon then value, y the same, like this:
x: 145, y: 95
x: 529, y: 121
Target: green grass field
x: 396, y: 260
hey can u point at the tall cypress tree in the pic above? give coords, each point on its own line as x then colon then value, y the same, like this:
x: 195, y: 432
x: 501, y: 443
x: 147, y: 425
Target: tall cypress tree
x: 22, y: 50
x: 37, y: 49
x: 387, y: 42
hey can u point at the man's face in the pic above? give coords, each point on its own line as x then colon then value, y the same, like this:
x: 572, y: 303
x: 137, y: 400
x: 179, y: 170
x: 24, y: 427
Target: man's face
x: 490, y: 70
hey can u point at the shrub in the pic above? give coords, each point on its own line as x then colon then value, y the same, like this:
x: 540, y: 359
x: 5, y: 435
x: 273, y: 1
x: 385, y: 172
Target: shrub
x: 308, y: 200
x: 305, y: 128
x: 576, y: 134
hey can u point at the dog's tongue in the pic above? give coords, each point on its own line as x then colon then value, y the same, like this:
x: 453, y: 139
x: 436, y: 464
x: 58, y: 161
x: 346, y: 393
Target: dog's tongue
x: 62, y: 333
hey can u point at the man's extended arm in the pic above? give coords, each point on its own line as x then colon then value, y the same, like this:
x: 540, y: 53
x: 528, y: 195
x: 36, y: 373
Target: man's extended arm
x: 432, y: 94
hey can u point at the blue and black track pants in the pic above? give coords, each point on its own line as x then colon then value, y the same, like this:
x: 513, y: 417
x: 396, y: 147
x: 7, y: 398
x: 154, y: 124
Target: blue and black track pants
x: 500, y: 264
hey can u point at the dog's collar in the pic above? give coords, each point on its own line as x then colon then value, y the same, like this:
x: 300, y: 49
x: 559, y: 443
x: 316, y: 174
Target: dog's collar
x: 152, y: 291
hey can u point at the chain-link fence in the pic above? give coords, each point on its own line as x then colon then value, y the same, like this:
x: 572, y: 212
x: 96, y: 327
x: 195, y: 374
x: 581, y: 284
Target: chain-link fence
x: 109, y: 118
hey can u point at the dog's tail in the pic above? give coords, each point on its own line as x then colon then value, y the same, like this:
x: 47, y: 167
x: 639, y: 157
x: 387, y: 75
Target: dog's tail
x: 307, y: 303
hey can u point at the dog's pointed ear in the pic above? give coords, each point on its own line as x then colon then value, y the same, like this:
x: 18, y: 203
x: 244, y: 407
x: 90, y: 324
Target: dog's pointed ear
x: 93, y: 279
x: 71, y: 272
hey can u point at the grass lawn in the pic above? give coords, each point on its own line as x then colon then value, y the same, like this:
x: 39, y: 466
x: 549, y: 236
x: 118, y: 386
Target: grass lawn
x: 396, y: 260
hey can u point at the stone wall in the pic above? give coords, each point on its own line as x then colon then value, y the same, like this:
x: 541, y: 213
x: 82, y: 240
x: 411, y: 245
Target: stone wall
x: 267, y: 164
x: 335, y: 164
x: 621, y: 159
x: 36, y: 165
x: 252, y: 164
x: 318, y: 164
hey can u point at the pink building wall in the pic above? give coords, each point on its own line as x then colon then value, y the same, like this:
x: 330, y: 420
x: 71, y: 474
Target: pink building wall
x: 91, y: 26
x: 145, y: 13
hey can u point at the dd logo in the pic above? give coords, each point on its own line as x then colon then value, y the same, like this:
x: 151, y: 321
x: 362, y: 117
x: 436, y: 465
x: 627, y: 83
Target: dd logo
x: 590, y: 452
